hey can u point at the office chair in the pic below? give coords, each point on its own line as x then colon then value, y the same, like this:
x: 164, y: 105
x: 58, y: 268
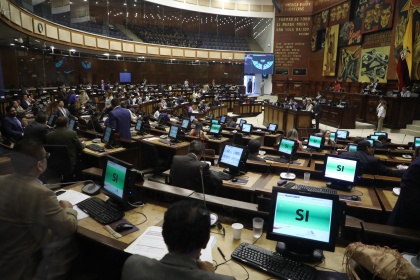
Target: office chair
x: 155, y: 164
x: 59, y: 169
x: 237, y: 139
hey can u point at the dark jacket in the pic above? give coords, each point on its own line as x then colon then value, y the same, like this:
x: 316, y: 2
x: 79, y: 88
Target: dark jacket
x: 37, y: 131
x: 11, y: 128
x: 120, y: 120
x: 185, y: 173
x: 63, y: 136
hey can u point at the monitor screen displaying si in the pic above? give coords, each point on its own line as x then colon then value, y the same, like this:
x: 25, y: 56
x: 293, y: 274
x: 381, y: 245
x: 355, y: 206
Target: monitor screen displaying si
x: 303, y: 221
x: 215, y: 128
x: 333, y: 136
x: 315, y: 142
x: 259, y: 63
x: 214, y: 121
x: 114, y: 178
x: 287, y: 146
x: 352, y: 148
x: 416, y: 142
x: 342, y: 134
x: 246, y: 128
x: 341, y: 170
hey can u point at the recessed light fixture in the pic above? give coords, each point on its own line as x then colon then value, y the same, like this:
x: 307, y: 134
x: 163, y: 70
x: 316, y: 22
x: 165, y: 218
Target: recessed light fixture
x: 107, y: 54
x: 72, y: 50
x: 12, y: 44
x: 117, y: 55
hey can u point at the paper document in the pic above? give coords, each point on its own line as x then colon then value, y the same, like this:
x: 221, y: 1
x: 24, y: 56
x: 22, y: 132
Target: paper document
x: 152, y: 245
x: 74, y: 197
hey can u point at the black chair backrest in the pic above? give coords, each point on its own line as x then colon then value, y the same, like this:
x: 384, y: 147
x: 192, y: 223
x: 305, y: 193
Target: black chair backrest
x: 237, y: 139
x: 59, y: 162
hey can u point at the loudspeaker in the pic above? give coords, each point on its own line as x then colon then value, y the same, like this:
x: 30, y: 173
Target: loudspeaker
x: 277, y: 6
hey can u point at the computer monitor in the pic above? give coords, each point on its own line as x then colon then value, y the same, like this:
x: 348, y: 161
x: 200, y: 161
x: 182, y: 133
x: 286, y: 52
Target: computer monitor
x: 223, y: 119
x: 341, y: 172
x: 211, y: 116
x: 51, y: 120
x: 333, y: 136
x: 232, y: 156
x: 287, y: 148
x: 118, y: 179
x: 315, y: 142
x: 108, y: 137
x: 185, y: 125
x: 416, y: 142
x: 272, y: 128
x: 72, y: 124
x: 342, y: 134
x: 139, y: 127
x: 215, y: 130
x: 374, y: 137
x: 214, y: 121
x: 246, y: 128
x: 174, y: 134
x: 192, y: 118
x: 381, y: 133
x: 371, y: 142
x: 241, y: 122
x: 303, y: 223
x: 352, y: 148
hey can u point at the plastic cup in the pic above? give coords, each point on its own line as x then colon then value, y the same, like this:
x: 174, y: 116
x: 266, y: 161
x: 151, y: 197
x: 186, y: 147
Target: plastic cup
x: 216, y: 162
x: 306, y: 177
x: 257, y: 227
x: 237, y: 230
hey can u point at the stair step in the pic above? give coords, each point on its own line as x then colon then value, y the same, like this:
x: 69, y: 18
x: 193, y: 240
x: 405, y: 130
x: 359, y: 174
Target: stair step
x: 410, y: 132
x: 413, y: 127
x: 417, y: 122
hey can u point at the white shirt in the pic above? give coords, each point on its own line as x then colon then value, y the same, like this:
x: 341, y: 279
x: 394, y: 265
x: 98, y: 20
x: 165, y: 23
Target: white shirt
x: 156, y: 114
x: 381, y: 112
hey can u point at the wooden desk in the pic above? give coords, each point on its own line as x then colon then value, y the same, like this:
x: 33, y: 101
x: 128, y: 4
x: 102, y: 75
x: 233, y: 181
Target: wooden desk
x: 176, y: 148
x: 91, y: 229
x: 98, y: 159
x: 271, y: 139
x: 388, y: 199
x: 342, y: 118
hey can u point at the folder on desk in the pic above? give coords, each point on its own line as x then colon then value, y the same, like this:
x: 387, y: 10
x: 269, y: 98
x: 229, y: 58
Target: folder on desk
x: 151, y: 244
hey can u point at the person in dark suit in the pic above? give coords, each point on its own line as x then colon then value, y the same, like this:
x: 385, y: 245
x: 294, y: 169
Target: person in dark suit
x: 317, y: 113
x: 371, y: 164
x: 37, y: 129
x: 63, y: 136
x: 12, y: 127
x: 120, y: 119
x: 25, y: 102
x: 405, y: 212
x: 94, y: 123
x: 185, y: 230
x: 185, y: 171
x: 253, y: 150
x: 63, y: 112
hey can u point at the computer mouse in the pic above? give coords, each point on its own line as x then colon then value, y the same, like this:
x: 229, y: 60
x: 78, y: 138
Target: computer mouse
x: 234, y: 131
x: 234, y: 180
x: 123, y: 227
x: 354, y: 197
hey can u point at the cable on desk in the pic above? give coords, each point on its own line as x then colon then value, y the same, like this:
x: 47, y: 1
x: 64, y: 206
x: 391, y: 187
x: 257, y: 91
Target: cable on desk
x: 358, y: 193
x: 247, y: 273
x: 145, y: 217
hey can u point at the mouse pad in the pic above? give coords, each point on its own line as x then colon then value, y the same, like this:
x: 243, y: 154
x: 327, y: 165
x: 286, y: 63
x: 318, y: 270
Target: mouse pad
x: 348, y: 198
x: 122, y: 233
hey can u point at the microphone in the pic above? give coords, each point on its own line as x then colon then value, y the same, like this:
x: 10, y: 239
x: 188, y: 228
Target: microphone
x: 213, y: 217
x: 402, y: 142
x: 287, y: 175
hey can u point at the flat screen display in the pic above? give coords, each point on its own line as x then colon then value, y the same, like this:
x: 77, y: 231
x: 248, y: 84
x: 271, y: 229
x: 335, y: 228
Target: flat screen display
x: 416, y: 142
x: 370, y: 141
x: 222, y: 119
x: 215, y: 128
x: 214, y: 121
x: 114, y: 179
x: 71, y: 124
x: 125, y: 77
x: 374, y: 137
x: 342, y: 134
x: 259, y: 63
x: 381, y: 133
x: 107, y: 134
x: 241, y: 122
x: 246, y: 128
x: 286, y: 146
x: 303, y: 216
x: 333, y: 136
x: 231, y: 155
x: 139, y: 125
x: 173, y: 132
x: 51, y: 120
x: 185, y: 124
x: 315, y: 141
x: 192, y: 118
x: 352, y: 148
x: 340, y: 169
x: 272, y: 127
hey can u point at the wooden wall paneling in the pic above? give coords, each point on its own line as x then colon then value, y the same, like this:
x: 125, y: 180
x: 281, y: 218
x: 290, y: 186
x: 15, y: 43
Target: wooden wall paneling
x: 27, y: 22
x: 15, y: 15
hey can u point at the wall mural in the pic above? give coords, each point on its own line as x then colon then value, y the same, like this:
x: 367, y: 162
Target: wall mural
x: 339, y: 13
x: 348, y: 68
x: 330, y: 50
x: 378, y: 16
x: 374, y: 65
x: 350, y: 33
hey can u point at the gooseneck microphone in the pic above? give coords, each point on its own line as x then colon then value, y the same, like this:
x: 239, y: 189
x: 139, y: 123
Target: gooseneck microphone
x: 51, y: 186
x: 202, y: 185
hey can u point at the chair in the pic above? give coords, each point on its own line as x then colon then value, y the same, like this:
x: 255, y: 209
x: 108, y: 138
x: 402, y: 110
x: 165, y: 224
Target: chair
x: 59, y: 168
x: 154, y: 163
x: 237, y: 139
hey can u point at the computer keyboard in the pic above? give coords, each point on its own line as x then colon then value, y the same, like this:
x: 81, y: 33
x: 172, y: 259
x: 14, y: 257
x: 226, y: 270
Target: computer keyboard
x: 277, y: 159
x: 222, y: 175
x: 273, y: 263
x: 100, y: 210
x: 167, y: 142
x: 315, y: 189
x: 95, y: 148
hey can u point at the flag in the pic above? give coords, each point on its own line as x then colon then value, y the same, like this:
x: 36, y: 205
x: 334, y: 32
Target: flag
x: 405, y: 60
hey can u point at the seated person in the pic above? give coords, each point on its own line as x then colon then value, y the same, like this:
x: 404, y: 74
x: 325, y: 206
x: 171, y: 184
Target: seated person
x: 165, y: 116
x: 94, y: 123
x: 381, y: 142
x: 185, y: 171
x: 253, y: 150
x: 12, y: 127
x: 37, y: 129
x: 186, y: 230
x: 198, y: 131
x: 293, y: 135
x: 232, y: 122
x: 371, y: 164
x: 327, y: 139
x: 408, y: 201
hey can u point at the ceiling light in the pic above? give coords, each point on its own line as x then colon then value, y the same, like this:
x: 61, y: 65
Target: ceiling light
x: 107, y: 54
